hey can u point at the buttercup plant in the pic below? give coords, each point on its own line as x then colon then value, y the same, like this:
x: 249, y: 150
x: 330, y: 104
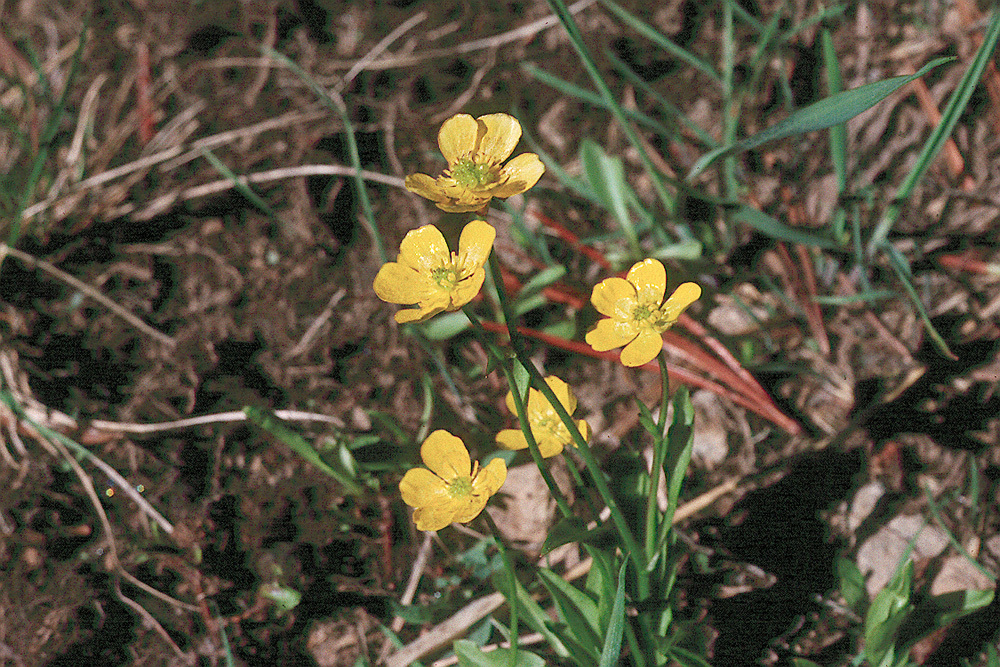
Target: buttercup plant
x: 475, y: 149
x: 454, y: 489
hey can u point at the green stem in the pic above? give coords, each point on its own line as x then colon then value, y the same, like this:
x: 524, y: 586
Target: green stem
x: 522, y: 413
x: 629, y: 543
x: 659, y: 452
x: 512, y: 600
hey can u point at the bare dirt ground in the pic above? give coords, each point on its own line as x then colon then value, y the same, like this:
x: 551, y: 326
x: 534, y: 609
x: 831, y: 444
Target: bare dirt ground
x: 265, y: 300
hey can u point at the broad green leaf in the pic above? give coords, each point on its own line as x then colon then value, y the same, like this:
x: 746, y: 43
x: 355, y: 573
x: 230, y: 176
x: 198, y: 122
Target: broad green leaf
x: 613, y: 637
x: 852, y: 584
x: 530, y: 611
x: 833, y: 110
x: 577, y: 609
x: 543, y: 279
x: 887, y: 612
x: 606, y: 176
x: 470, y: 655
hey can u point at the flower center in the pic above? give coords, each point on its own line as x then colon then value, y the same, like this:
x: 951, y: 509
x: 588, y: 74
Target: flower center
x: 652, y: 317
x: 446, y: 276
x: 460, y: 487
x: 471, y: 174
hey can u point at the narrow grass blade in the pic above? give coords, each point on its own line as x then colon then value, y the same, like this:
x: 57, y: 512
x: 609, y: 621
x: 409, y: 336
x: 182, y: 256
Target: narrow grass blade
x: 572, y: 90
x: 238, y: 183
x: 770, y: 226
x: 902, y: 269
x: 337, y: 106
x: 949, y: 118
x: 569, y: 24
x: 299, y: 445
x: 838, y: 133
x: 661, y: 40
x: 826, y: 113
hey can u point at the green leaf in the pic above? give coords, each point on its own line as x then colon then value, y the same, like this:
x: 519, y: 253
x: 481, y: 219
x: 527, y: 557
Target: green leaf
x: 268, y: 422
x: 543, y: 279
x: 446, y: 325
x: 680, y: 445
x: 613, y: 638
x: 887, y: 612
x: 531, y: 613
x: 833, y: 110
x: 470, y: 655
x: 769, y: 226
x: 606, y: 176
x: 577, y: 609
x: 852, y: 584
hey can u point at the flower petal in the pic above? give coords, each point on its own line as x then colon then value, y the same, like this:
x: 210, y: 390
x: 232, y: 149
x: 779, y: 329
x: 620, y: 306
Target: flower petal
x: 614, y: 297
x: 435, y: 517
x: 474, y: 246
x: 425, y: 186
x: 500, y: 133
x: 609, y: 334
x: 457, y: 137
x: 562, y: 392
x: 490, y: 478
x: 467, y: 289
x: 424, y: 249
x: 682, y: 297
x: 469, y: 507
x: 642, y: 350
x: 446, y: 455
x: 510, y: 438
x: 584, y: 429
x: 550, y: 446
x: 417, y: 315
x: 420, y: 487
x: 518, y: 175
x: 468, y: 205
x: 650, y: 281
x: 396, y: 283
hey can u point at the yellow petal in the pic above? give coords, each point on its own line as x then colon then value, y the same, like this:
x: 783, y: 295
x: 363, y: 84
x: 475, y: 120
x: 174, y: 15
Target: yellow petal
x: 416, y: 315
x: 642, y: 350
x: 519, y: 175
x: 584, y: 429
x: 650, y: 281
x: 466, y: 290
x: 434, y: 517
x: 420, y: 487
x: 499, y: 134
x: 562, y: 392
x: 473, y: 204
x: 457, y: 137
x: 614, y: 297
x: 469, y: 507
x: 425, y: 186
x: 396, y: 283
x: 682, y: 297
x: 474, y: 246
x: 609, y: 334
x: 424, y: 249
x: 510, y: 438
x: 550, y: 446
x: 490, y: 478
x: 446, y: 455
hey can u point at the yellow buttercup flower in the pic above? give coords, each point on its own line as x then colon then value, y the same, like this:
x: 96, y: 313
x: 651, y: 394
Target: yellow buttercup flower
x: 427, y: 275
x: 475, y: 149
x: 636, y: 314
x: 549, y: 431
x: 454, y: 489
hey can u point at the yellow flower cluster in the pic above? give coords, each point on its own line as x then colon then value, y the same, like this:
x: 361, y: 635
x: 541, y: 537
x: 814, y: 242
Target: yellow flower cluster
x: 427, y: 275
